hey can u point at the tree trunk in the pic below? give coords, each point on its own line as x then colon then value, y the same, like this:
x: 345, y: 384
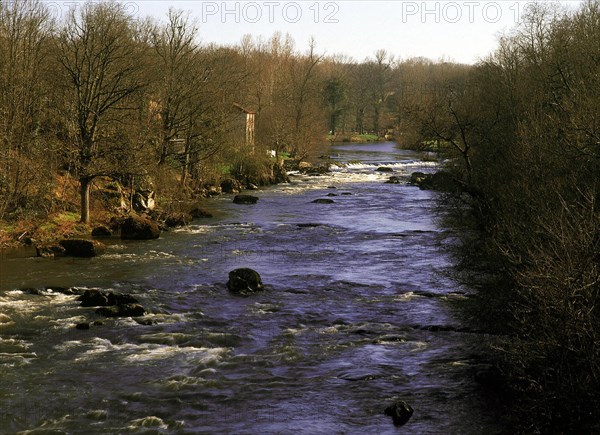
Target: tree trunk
x: 86, y: 184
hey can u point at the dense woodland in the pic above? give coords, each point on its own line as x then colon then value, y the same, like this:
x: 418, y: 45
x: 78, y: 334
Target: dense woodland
x: 102, y: 97
x: 524, y: 127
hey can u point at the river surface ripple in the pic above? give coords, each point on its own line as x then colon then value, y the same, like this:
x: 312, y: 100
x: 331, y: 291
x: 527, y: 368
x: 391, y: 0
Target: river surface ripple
x: 356, y: 312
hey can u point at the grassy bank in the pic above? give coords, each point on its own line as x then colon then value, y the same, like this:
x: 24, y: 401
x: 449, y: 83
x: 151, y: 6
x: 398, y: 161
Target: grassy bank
x: 354, y: 138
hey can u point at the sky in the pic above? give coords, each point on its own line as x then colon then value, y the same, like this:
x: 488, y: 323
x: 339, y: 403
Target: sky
x: 459, y: 31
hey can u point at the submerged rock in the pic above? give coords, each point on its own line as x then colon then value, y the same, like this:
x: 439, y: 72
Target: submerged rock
x: 198, y: 213
x: 245, y: 199
x: 400, y: 411
x: 98, y: 298
x: 384, y: 169
x: 139, y: 228
x: 82, y: 247
x: 316, y: 170
x: 49, y: 251
x: 127, y: 310
x: 309, y: 225
x: 394, y: 180
x: 323, y: 201
x: 244, y: 281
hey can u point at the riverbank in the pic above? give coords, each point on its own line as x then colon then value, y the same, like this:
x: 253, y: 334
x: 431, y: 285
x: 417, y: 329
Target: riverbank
x: 111, y: 200
x: 366, y: 138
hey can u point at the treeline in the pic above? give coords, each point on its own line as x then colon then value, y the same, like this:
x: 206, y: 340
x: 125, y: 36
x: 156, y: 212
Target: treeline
x: 102, y: 96
x: 524, y: 126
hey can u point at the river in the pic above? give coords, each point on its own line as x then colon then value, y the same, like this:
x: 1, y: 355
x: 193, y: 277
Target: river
x: 357, y: 311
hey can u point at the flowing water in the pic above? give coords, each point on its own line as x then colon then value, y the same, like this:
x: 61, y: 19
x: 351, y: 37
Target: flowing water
x: 357, y: 311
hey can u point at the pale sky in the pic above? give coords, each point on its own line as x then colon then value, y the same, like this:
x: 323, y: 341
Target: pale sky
x: 460, y: 31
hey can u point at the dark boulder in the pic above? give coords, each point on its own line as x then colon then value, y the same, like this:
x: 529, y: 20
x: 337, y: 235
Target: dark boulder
x: 98, y: 298
x: 82, y: 326
x: 231, y: 186
x: 82, y: 247
x: 400, y: 411
x: 120, y: 299
x: 394, y: 180
x: 198, y: 213
x: 441, y: 181
x: 178, y: 220
x: 418, y: 177
x: 115, y: 222
x: 127, y: 310
x: 93, y: 298
x: 315, y: 170
x: 384, y: 169
x: 323, y: 201
x: 332, y: 194
x: 245, y: 199
x: 139, y: 228
x: 244, y: 281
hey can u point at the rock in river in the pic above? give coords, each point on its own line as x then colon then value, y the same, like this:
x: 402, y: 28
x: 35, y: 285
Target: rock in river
x: 323, y: 201
x: 400, y: 411
x: 245, y: 199
x: 198, y: 213
x: 178, y: 219
x: 244, y: 281
x: 81, y: 247
x: 394, y: 180
x: 49, y: 251
x: 139, y: 228
x: 97, y: 298
x: 127, y: 310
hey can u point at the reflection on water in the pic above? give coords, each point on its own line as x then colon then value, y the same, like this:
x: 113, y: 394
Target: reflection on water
x: 354, y: 314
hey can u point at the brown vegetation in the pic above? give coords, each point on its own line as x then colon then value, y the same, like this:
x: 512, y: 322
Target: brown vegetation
x: 524, y: 126
x: 100, y: 96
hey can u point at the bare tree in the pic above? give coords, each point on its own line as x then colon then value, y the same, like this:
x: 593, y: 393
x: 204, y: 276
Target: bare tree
x: 25, y: 30
x: 98, y: 53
